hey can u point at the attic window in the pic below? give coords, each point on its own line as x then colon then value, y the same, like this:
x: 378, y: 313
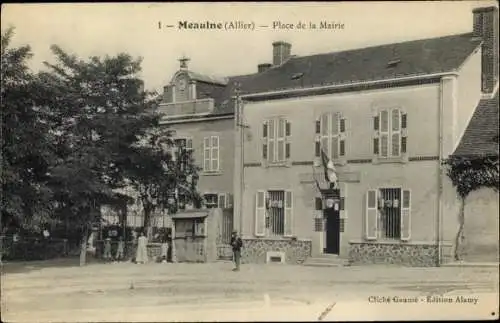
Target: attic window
x: 297, y: 76
x: 393, y: 63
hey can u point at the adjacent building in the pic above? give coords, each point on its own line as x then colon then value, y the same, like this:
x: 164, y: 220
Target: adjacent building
x: 387, y: 116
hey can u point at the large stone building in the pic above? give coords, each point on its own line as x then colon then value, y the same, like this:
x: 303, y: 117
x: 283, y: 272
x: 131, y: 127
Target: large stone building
x: 387, y: 116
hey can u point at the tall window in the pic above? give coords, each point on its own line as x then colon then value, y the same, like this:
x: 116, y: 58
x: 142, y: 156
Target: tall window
x: 331, y: 135
x: 185, y: 144
x: 273, y: 213
x: 211, y: 154
x: 276, y: 140
x: 390, y: 138
x: 388, y: 214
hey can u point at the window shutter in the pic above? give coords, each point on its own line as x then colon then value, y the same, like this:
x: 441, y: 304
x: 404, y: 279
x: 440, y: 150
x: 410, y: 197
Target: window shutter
x: 396, y: 132
x: 404, y: 121
x: 342, y: 147
x: 317, y: 148
x: 189, y: 144
x: 287, y: 150
x: 335, y: 123
x: 384, y: 133
x: 371, y: 215
x: 288, y: 133
x: 288, y: 214
x: 403, y: 144
x: 215, y: 153
x: 406, y: 216
x: 264, y: 151
x: 376, y: 123
x: 260, y: 213
x: 288, y: 129
x: 271, y: 145
x: 222, y: 200
x: 264, y: 130
x: 318, y: 203
x: 342, y: 125
x: 206, y: 153
x: 318, y: 127
x: 375, y: 146
x: 229, y: 200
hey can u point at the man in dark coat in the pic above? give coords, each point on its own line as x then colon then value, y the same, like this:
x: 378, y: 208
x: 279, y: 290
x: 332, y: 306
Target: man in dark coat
x: 236, y: 244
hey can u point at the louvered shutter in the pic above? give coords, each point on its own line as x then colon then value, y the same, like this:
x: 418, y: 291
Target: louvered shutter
x: 396, y: 132
x: 342, y: 123
x: 371, y: 215
x: 406, y: 215
x: 206, y: 154
x: 288, y: 214
x: 260, y: 213
x: 384, y: 133
x: 264, y: 140
x: 335, y: 136
x: 288, y: 143
x: 215, y: 153
x: 271, y: 143
x: 317, y: 148
x: 222, y: 201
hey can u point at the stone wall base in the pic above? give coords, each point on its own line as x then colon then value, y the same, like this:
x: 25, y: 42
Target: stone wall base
x: 255, y: 250
x: 414, y: 255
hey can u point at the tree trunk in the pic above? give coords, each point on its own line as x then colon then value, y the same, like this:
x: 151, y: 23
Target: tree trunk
x: 460, y: 234
x: 83, y: 246
x: 147, y: 220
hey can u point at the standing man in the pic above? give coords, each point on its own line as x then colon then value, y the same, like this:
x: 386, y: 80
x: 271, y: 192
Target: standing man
x: 236, y: 243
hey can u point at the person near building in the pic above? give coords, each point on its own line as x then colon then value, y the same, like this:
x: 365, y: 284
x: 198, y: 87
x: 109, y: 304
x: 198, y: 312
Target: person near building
x: 120, y: 249
x: 107, y: 249
x: 142, y: 249
x: 236, y: 244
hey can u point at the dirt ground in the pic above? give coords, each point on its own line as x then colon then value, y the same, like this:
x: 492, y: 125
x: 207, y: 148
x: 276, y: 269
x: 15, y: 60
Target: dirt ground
x: 206, y: 292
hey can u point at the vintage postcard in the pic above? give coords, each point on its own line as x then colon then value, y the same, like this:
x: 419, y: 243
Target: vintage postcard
x: 232, y: 161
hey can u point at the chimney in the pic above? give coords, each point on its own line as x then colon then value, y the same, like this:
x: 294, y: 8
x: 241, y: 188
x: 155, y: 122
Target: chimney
x: 281, y: 52
x: 485, y: 26
x: 263, y: 67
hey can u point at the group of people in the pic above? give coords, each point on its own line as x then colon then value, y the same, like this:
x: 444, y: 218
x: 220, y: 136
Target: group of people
x: 141, y: 253
x: 141, y: 256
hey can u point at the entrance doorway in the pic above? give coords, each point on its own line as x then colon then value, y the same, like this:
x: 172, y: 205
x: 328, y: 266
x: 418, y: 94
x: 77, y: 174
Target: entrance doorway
x: 332, y: 230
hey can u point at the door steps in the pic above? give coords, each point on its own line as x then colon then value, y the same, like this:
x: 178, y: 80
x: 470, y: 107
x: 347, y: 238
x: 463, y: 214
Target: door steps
x: 326, y: 260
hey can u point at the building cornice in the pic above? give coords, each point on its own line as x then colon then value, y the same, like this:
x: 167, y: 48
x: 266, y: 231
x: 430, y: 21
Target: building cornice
x: 348, y: 87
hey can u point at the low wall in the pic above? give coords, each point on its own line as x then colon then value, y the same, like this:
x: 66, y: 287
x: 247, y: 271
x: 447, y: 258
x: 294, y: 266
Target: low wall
x: 255, y: 250
x: 407, y: 254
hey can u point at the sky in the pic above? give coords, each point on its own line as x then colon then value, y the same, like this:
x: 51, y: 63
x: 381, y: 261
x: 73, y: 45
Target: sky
x: 111, y: 28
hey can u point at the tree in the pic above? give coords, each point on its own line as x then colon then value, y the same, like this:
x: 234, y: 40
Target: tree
x: 467, y: 175
x: 26, y: 146
x: 163, y: 173
x: 103, y: 118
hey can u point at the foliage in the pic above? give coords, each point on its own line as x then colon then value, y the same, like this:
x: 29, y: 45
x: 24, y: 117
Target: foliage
x: 79, y: 132
x: 26, y: 153
x: 467, y: 175
x: 470, y: 174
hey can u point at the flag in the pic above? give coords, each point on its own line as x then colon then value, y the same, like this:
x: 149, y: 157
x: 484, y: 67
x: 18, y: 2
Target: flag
x: 329, y: 170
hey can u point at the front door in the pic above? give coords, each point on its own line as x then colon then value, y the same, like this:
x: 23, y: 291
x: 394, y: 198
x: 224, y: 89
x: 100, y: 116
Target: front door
x: 332, y: 217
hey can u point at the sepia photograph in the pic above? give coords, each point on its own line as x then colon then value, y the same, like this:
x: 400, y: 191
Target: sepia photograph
x: 249, y: 161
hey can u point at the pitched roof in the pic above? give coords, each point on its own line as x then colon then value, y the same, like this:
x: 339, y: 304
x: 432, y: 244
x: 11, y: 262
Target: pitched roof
x: 481, y: 136
x: 411, y: 58
x: 418, y: 57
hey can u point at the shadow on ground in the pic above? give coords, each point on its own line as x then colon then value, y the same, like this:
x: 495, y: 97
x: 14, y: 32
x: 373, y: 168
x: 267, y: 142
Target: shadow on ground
x: 16, y: 267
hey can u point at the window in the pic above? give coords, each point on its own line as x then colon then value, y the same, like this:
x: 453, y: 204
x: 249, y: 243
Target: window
x: 390, y: 138
x: 181, y: 144
x: 211, y: 154
x: 331, y: 135
x: 276, y: 140
x: 211, y: 200
x: 273, y: 215
x: 388, y: 214
x: 225, y: 200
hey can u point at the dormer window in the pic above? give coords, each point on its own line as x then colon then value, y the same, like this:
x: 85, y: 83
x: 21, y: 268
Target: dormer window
x: 393, y: 63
